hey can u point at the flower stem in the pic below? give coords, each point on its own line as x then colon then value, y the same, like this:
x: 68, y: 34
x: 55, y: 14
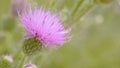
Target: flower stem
x: 22, y: 62
x: 77, y: 7
x: 82, y: 13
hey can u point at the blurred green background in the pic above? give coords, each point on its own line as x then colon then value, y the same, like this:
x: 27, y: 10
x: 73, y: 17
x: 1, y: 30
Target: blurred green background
x: 95, y: 34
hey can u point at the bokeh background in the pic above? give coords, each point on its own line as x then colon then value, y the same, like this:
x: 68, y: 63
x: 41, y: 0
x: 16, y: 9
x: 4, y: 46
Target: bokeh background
x: 95, y: 34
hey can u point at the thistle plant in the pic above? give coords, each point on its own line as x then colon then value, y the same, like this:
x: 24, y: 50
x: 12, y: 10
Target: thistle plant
x: 46, y: 26
x: 44, y: 30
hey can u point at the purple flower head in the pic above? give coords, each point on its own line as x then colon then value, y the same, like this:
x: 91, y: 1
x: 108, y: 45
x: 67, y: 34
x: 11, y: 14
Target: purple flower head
x: 46, y: 27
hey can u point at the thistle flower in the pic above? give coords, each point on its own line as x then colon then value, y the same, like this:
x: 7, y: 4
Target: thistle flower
x: 40, y: 24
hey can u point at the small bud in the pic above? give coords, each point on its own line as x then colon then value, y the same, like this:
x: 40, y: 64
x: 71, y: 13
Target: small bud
x: 104, y: 1
x: 30, y: 65
x: 8, y: 58
x: 6, y: 62
x: 31, y: 46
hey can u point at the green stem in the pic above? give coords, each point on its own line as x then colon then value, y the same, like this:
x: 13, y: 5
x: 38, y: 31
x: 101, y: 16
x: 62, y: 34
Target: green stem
x: 52, y: 5
x: 22, y: 62
x: 86, y: 10
x: 18, y: 58
x: 77, y: 7
x: 49, y: 4
x: 75, y: 10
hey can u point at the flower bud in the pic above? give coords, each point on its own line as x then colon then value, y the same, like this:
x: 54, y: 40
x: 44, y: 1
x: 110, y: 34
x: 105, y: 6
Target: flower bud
x: 31, y: 46
x: 30, y: 65
x: 8, y: 58
x: 6, y: 62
